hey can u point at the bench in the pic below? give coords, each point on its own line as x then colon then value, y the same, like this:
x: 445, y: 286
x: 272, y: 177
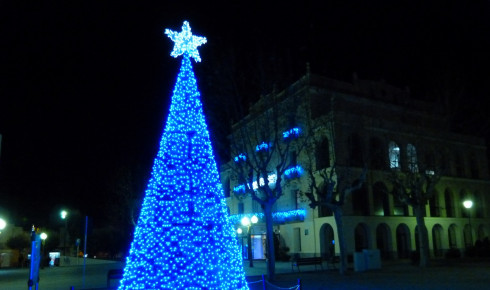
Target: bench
x: 114, y: 274
x: 298, y: 261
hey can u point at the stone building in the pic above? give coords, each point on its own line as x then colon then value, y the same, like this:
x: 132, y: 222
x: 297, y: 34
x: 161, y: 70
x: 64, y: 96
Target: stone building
x: 373, y: 124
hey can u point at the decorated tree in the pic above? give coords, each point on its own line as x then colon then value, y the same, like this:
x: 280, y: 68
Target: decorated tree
x: 415, y: 188
x: 333, y: 194
x: 329, y: 187
x: 266, y: 146
x: 183, y: 238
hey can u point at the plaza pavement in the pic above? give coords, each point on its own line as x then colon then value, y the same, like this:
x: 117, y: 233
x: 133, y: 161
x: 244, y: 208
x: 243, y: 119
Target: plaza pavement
x: 442, y: 274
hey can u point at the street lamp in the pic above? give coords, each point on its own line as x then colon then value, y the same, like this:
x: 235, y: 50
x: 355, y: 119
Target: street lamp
x: 3, y: 224
x: 239, y: 231
x: 44, y: 236
x: 64, y: 215
x: 468, y: 204
x: 249, y: 222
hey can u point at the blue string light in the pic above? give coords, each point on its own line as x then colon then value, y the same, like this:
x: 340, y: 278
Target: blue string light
x: 185, y: 42
x: 184, y: 239
x: 295, y: 171
x: 240, y: 157
x: 294, y: 132
x: 277, y: 217
x: 239, y: 188
x: 262, y: 146
x: 272, y: 178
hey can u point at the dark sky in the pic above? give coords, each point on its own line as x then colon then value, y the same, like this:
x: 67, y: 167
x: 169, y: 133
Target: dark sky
x: 84, y: 85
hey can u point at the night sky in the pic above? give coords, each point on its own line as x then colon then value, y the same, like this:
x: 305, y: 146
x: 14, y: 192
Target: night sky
x: 85, y: 85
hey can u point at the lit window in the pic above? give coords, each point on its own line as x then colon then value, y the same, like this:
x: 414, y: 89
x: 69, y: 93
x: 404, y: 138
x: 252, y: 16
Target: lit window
x: 394, y: 155
x: 412, y: 158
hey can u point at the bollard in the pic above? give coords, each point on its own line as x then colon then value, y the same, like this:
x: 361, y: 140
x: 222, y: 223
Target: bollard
x: 299, y: 284
x: 263, y: 282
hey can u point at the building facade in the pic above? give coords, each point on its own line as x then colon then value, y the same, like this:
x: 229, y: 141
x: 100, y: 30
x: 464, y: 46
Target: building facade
x: 378, y: 126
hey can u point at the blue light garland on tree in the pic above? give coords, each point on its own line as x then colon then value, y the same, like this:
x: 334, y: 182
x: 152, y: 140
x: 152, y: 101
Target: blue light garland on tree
x: 184, y: 239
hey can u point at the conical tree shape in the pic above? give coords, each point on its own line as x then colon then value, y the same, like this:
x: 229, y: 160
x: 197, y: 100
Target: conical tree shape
x: 183, y: 239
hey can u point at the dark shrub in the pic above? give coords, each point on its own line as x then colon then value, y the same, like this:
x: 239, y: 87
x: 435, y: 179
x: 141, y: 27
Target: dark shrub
x: 415, y: 257
x: 470, y: 252
x: 453, y: 254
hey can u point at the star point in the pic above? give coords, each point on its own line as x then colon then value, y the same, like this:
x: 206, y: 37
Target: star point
x: 185, y: 42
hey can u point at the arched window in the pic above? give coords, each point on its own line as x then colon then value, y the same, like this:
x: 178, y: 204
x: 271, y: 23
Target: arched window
x: 448, y: 200
x: 430, y: 162
x: 434, y: 205
x: 360, y: 201
x: 403, y: 241
x: 380, y: 200
x: 324, y: 210
x: 327, y: 241
x: 394, y: 155
x: 383, y: 240
x: 376, y: 154
x: 437, y: 233
x: 355, y: 150
x: 452, y: 236
x: 323, y: 155
x: 361, y: 237
x: 412, y: 158
x: 399, y: 207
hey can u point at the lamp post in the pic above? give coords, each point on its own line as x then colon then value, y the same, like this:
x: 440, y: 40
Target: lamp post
x: 239, y: 232
x: 3, y: 224
x: 64, y: 215
x: 468, y: 204
x: 44, y: 236
x: 249, y: 222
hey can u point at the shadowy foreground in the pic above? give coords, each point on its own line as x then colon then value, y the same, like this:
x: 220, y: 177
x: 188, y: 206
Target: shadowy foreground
x: 442, y: 274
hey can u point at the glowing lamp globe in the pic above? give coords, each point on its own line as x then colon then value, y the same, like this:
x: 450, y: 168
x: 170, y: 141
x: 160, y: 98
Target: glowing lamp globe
x: 3, y: 224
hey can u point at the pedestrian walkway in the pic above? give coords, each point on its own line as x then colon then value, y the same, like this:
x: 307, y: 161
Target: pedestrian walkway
x: 442, y: 274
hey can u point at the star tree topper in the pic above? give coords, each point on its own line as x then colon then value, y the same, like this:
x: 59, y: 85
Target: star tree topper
x: 185, y: 42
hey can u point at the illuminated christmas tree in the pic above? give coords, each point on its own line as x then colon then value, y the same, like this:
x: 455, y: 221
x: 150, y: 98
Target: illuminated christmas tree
x: 183, y: 239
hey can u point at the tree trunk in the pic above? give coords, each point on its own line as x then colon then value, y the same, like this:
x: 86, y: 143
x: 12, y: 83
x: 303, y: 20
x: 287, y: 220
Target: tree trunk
x: 271, y: 259
x: 423, y: 235
x: 338, y: 213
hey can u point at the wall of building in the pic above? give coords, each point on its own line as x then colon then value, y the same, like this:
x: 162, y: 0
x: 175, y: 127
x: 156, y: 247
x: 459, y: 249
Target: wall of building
x: 362, y: 110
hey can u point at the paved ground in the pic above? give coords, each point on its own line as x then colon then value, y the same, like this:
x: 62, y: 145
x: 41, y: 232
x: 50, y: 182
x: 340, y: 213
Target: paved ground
x: 443, y: 274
